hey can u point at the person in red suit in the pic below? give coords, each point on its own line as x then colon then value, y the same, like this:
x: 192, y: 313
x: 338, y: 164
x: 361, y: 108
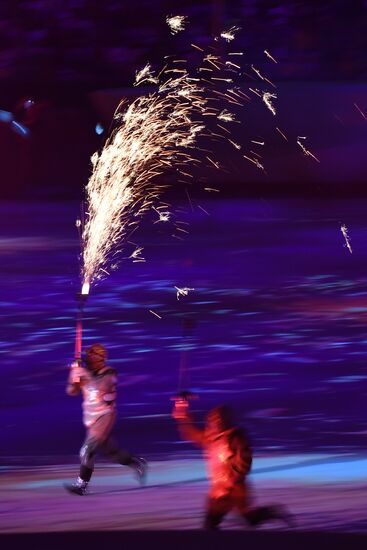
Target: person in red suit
x: 228, y: 456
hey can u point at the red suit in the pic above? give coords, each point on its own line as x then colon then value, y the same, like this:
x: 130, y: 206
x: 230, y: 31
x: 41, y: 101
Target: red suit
x: 228, y: 458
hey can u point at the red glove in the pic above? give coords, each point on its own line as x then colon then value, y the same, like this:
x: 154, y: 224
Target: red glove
x: 180, y: 409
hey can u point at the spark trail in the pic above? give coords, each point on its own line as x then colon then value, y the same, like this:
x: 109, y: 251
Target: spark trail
x: 344, y: 230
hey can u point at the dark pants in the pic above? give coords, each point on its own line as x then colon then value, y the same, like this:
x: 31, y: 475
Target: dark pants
x: 236, y: 499
x: 98, y: 439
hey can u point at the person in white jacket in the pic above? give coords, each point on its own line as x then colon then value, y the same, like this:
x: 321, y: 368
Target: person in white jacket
x: 97, y: 382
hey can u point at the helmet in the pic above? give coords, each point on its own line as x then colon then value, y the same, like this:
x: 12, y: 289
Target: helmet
x: 96, y: 351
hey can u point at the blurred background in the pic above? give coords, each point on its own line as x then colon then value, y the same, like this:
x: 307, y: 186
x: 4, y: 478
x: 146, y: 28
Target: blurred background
x: 276, y: 324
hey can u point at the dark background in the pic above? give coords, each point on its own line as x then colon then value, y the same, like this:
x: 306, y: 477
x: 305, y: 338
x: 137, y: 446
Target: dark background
x: 76, y: 59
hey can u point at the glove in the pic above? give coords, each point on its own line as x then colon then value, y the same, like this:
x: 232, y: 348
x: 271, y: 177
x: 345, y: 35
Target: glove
x: 76, y: 373
x: 180, y: 409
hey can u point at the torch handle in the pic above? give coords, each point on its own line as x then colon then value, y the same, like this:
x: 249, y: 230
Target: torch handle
x: 78, y: 337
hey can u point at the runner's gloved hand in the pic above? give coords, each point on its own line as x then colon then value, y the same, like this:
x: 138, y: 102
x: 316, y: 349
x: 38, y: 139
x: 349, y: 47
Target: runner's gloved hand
x: 180, y: 409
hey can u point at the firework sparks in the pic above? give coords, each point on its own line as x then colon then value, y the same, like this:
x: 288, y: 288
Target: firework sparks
x: 226, y: 116
x: 163, y: 216
x: 145, y: 75
x: 230, y: 34
x: 270, y: 56
x: 183, y: 291
x: 344, y: 230
x: 176, y: 23
x: 267, y: 97
x: 255, y: 162
x: 153, y: 134
x: 203, y: 209
x: 262, y: 76
x: 136, y: 255
x: 146, y: 142
x: 281, y: 133
x: 306, y: 151
x: 360, y: 110
x: 154, y: 313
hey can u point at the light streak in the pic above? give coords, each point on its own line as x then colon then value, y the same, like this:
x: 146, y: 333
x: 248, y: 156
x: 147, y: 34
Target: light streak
x: 236, y: 145
x: 229, y: 80
x: 154, y: 313
x: 254, y: 161
x: 306, y: 151
x: 216, y: 164
x: 281, y: 133
x: 344, y: 230
x: 270, y: 56
x: 232, y: 64
x: 211, y: 189
x: 230, y: 34
x: 203, y: 209
x: 197, y: 47
x: 360, y: 110
x: 183, y: 291
x: 256, y: 92
x: 267, y: 96
x: 258, y: 142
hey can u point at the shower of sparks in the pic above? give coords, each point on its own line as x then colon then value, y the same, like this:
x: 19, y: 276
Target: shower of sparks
x: 360, y: 110
x: 176, y: 23
x: 156, y: 133
x: 306, y: 151
x: 267, y: 96
x: 145, y: 75
x: 226, y: 116
x: 344, y: 230
x: 154, y: 313
x: 270, y: 56
x: 230, y: 34
x: 183, y: 291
